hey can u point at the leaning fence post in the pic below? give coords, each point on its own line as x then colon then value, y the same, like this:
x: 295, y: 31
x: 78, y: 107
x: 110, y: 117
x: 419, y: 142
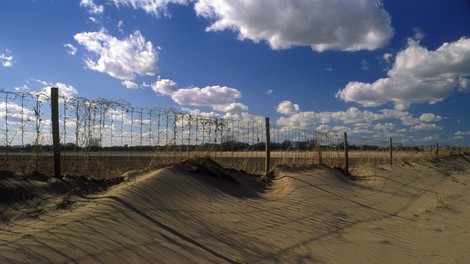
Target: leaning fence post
x: 391, y: 151
x: 346, y: 155
x: 55, y: 130
x: 267, y: 163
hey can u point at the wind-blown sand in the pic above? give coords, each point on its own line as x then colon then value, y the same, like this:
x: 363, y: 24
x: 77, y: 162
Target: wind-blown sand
x: 189, y: 213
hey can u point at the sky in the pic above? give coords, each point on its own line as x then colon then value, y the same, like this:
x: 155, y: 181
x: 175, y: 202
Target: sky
x: 375, y: 69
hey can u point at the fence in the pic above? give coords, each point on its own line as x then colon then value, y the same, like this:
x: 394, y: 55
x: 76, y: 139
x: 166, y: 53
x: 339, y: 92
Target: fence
x: 103, y: 138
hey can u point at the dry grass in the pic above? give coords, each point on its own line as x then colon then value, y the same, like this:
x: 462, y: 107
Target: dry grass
x: 108, y: 164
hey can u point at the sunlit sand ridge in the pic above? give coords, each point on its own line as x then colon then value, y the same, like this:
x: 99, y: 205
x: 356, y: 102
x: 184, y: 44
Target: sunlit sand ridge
x: 197, y: 212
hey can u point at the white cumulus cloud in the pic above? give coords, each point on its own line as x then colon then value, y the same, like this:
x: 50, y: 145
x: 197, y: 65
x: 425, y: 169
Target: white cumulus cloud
x: 430, y: 117
x: 130, y: 84
x: 207, y: 96
x: 461, y: 134
x: 6, y: 59
x: 65, y: 90
x: 165, y: 87
x: 426, y: 127
x: 417, y: 76
x: 154, y: 7
x: 231, y: 108
x: 361, y: 121
x: 219, y: 98
x: 287, y: 108
x: 122, y: 59
x: 348, y: 25
x: 386, y: 126
x: 92, y: 7
x: 387, y: 57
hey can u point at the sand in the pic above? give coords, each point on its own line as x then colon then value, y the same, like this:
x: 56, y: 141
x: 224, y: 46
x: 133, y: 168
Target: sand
x: 193, y: 213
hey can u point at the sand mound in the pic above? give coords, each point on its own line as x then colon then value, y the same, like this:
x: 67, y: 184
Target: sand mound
x: 28, y: 196
x: 196, y: 212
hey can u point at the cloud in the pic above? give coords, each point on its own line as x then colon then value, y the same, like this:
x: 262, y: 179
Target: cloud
x: 461, y: 134
x: 386, y: 126
x: 129, y: 84
x: 429, y: 117
x: 165, y: 87
x: 220, y: 98
x: 287, y: 108
x: 13, y: 110
x: 417, y: 76
x: 419, y: 35
x: 207, y: 96
x: 323, y: 128
x: 361, y: 121
x: 154, y: 7
x: 387, y: 57
x: 71, y: 49
x: 431, y: 138
x: 120, y: 25
x: 242, y: 116
x: 65, y: 90
x: 347, y: 25
x: 426, y: 127
x: 364, y: 65
x: 92, y: 7
x: 121, y: 59
x: 6, y: 60
x: 231, y: 108
x: 94, y: 20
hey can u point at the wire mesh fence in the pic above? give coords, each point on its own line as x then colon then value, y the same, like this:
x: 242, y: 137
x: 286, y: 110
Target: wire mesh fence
x: 103, y: 138
x: 290, y: 146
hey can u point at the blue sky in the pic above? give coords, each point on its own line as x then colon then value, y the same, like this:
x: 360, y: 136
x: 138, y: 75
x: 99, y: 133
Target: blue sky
x: 378, y: 69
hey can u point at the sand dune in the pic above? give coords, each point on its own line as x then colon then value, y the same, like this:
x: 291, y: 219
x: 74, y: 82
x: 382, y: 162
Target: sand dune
x: 194, y: 213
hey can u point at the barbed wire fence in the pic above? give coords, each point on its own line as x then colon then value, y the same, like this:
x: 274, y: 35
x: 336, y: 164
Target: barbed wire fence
x: 103, y: 138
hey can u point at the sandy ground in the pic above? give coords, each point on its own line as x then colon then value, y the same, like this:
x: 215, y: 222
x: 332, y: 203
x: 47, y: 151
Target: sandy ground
x: 189, y: 213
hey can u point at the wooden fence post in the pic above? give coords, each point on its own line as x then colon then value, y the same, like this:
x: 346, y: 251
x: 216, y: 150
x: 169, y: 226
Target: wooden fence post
x: 55, y: 130
x: 318, y: 146
x: 391, y: 151
x: 346, y: 155
x: 267, y: 162
x: 437, y: 149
